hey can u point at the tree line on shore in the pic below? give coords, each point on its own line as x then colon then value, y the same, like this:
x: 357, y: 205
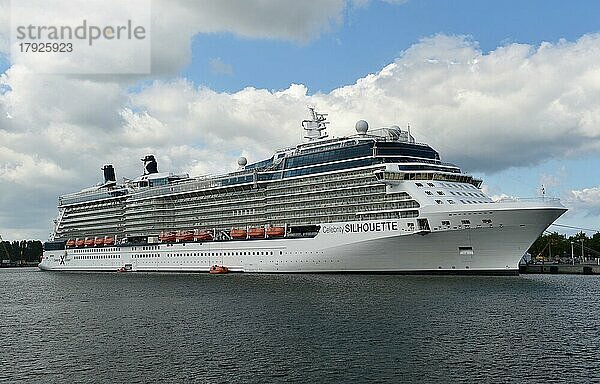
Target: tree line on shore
x: 556, y: 245
x: 20, y: 251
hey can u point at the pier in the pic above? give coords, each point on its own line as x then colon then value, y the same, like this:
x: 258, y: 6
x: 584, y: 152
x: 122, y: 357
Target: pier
x: 560, y: 268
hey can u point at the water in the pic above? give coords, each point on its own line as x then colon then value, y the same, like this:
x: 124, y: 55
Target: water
x: 161, y: 328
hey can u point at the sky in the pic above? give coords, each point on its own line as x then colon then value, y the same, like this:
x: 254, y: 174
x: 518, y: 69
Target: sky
x: 509, y: 91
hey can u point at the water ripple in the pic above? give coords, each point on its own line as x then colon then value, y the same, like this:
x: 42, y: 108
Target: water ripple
x: 162, y: 328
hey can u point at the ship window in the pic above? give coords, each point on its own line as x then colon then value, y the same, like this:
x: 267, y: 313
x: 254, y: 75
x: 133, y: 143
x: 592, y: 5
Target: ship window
x: 440, y: 193
x: 466, y: 222
x: 487, y: 221
x: 439, y: 201
x: 429, y: 193
x: 465, y: 250
x: 418, y: 184
x: 451, y: 201
x: 431, y: 184
x: 446, y: 223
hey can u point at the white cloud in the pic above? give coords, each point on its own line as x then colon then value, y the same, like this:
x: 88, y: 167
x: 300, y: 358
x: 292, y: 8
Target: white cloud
x: 219, y: 67
x: 586, y: 200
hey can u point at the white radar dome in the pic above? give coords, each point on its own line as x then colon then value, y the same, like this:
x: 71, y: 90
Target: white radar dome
x: 242, y: 161
x: 361, y: 127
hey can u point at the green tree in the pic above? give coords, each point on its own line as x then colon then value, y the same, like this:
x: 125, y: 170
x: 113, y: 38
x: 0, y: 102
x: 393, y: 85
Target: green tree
x: 5, y: 250
x: 557, y: 244
x: 550, y: 245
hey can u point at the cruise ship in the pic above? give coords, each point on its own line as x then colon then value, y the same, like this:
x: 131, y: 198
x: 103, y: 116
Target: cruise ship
x: 376, y: 201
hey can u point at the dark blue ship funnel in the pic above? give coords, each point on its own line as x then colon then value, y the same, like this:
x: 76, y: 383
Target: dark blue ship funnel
x: 109, y: 174
x: 150, y: 165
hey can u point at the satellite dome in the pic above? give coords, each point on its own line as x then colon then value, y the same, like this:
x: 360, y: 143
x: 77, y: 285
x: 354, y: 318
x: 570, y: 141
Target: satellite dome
x: 361, y: 127
x: 395, y: 127
x: 242, y: 161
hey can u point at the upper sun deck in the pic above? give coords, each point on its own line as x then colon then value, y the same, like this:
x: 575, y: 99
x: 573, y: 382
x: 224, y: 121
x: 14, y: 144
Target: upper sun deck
x: 318, y: 154
x: 92, y: 194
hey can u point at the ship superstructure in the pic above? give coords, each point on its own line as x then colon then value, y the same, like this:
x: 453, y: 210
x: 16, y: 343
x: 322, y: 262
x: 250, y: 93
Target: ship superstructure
x: 373, y: 201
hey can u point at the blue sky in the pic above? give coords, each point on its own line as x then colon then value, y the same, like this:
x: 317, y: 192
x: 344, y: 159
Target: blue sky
x: 371, y: 36
x: 508, y: 90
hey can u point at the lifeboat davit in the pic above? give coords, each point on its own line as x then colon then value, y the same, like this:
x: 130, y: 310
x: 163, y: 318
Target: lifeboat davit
x: 238, y: 233
x: 109, y: 240
x: 275, y: 231
x: 89, y: 242
x: 203, y: 236
x: 218, y: 269
x: 256, y: 233
x: 70, y: 243
x: 79, y: 243
x: 185, y: 236
x: 99, y: 241
x: 167, y: 237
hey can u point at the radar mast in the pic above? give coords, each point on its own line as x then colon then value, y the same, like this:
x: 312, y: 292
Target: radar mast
x: 316, y: 126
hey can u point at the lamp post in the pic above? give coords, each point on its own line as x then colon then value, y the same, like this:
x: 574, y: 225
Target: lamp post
x: 582, y: 255
x: 572, y: 255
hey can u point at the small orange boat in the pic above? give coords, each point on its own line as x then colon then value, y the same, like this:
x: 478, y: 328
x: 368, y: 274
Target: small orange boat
x: 238, y: 233
x: 79, y: 243
x: 185, y: 236
x: 70, y: 243
x: 89, y: 242
x: 109, y: 240
x: 99, y: 241
x: 256, y: 233
x: 275, y: 231
x: 203, y: 236
x: 167, y: 237
x: 218, y: 270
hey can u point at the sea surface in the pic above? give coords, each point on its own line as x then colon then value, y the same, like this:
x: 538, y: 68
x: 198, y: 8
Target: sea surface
x: 251, y: 328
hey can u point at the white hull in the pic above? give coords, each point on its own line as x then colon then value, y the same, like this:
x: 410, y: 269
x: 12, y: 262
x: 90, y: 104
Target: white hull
x: 387, y: 246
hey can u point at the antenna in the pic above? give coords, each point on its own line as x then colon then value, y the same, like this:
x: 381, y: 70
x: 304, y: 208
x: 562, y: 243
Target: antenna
x: 316, y: 125
x: 410, y: 138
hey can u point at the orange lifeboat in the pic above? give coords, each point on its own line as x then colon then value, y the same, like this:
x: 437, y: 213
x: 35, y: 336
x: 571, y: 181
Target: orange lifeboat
x: 79, y: 243
x: 89, y: 242
x: 185, y: 236
x: 275, y: 231
x: 238, y: 233
x: 218, y: 270
x: 167, y: 237
x: 70, y: 243
x: 256, y: 233
x: 203, y: 236
x: 109, y: 240
x: 99, y: 241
